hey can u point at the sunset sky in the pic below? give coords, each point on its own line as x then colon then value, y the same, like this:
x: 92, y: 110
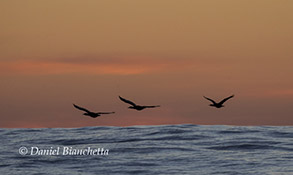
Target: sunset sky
x: 155, y: 52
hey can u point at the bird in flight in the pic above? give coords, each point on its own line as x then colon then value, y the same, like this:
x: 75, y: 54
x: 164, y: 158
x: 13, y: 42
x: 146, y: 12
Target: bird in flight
x: 135, y: 106
x: 91, y: 114
x: 220, y: 104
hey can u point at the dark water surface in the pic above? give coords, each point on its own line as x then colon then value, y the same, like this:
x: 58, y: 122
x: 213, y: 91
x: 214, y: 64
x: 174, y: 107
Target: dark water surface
x: 165, y: 149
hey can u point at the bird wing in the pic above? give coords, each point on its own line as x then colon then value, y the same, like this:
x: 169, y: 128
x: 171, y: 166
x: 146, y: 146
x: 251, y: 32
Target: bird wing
x: 223, y: 101
x: 80, y: 108
x: 127, y: 101
x: 210, y: 100
x: 106, y: 112
x: 152, y: 106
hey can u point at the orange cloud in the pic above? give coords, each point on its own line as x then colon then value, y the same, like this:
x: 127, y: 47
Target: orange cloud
x: 280, y: 92
x: 126, y: 67
x: 269, y: 93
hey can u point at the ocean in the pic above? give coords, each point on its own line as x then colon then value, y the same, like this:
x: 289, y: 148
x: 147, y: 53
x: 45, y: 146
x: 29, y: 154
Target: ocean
x: 150, y: 150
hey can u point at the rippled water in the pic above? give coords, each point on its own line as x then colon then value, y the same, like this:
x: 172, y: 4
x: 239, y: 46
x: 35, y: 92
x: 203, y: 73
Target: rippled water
x: 165, y: 149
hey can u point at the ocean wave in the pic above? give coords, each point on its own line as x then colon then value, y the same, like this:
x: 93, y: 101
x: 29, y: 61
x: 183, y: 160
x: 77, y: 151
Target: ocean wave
x: 165, y: 149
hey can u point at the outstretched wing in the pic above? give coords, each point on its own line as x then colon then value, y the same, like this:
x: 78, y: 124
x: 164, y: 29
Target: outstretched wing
x: 223, y: 101
x: 210, y: 100
x: 106, y: 112
x: 152, y: 106
x: 80, y: 108
x: 127, y: 101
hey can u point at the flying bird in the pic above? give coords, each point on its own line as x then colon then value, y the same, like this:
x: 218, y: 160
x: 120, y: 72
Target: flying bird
x: 220, y: 104
x: 91, y: 114
x: 135, y: 106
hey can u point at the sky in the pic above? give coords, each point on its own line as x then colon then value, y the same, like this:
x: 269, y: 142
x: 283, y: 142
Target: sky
x: 54, y: 53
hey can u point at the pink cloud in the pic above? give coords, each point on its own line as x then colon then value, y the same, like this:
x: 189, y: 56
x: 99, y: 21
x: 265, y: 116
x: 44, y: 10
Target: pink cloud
x: 116, y: 67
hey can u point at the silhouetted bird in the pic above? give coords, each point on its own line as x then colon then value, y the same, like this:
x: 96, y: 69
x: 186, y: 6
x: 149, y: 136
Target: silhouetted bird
x: 220, y: 104
x: 91, y: 114
x: 136, y: 107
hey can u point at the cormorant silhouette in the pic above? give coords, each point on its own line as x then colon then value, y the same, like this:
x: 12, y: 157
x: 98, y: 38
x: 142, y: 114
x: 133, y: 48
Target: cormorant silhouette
x: 135, y: 106
x: 220, y: 104
x: 91, y: 114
